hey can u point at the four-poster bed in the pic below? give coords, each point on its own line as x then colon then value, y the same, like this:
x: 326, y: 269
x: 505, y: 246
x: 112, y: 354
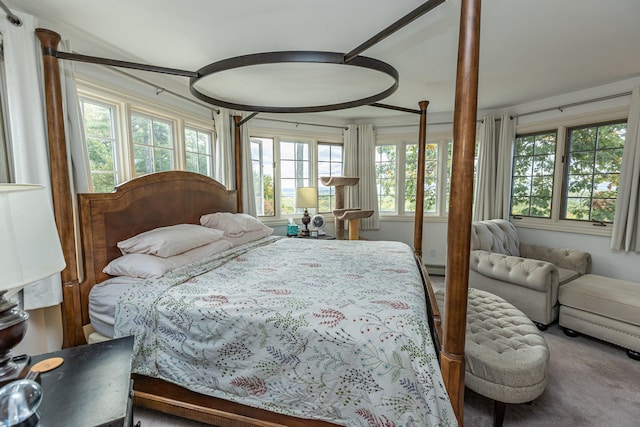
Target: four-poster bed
x: 106, y: 220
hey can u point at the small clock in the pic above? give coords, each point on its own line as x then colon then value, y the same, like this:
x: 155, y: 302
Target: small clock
x: 318, y: 222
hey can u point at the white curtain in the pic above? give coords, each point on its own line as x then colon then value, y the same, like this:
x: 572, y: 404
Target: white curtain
x: 493, y: 183
x: 77, y: 150
x: 350, y: 145
x: 502, y: 201
x: 627, y: 219
x: 367, y: 172
x: 486, y: 171
x: 224, y: 172
x: 359, y: 160
x: 29, y: 159
x: 248, y: 192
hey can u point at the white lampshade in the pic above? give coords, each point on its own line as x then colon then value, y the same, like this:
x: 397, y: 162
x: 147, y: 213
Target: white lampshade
x: 306, y: 197
x: 29, y: 245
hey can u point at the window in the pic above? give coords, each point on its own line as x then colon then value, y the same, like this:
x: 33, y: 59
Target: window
x: 283, y: 163
x: 396, y: 176
x: 386, y: 173
x: 128, y: 137
x: 153, y: 149
x: 197, y: 146
x: 330, y: 163
x: 430, y: 178
x: 533, y: 170
x: 263, y: 177
x: 592, y: 172
x: 567, y: 178
x: 100, y: 133
x: 294, y: 172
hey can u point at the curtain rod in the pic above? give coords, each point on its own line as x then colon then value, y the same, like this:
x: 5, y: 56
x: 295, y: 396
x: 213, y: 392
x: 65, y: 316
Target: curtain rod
x: 303, y: 123
x: 528, y: 113
x: 573, y: 104
x: 11, y: 17
x: 160, y: 89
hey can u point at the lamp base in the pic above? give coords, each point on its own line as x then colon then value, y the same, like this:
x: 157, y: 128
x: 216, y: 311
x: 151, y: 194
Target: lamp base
x: 13, y: 327
x: 22, y: 369
x: 306, y: 220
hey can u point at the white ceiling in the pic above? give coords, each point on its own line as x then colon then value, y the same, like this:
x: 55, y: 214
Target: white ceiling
x: 530, y: 50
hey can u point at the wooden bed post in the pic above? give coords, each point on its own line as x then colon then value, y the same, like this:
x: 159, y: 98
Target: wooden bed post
x: 60, y: 185
x: 459, y: 227
x: 422, y: 144
x: 238, y: 159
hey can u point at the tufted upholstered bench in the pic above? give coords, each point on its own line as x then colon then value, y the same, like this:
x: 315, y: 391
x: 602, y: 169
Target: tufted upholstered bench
x: 528, y: 276
x: 506, y: 356
x: 602, y: 307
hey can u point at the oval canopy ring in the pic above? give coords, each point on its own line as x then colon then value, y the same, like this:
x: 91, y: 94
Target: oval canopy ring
x: 299, y: 57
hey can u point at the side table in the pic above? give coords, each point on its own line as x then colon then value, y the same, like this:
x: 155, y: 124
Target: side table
x: 322, y: 237
x: 93, y: 386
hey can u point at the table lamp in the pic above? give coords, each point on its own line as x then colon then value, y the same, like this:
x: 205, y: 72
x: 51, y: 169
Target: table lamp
x: 306, y: 197
x: 30, y: 251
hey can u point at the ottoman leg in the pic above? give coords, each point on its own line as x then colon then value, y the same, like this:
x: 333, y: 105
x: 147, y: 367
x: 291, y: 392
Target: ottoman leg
x: 498, y: 413
x: 540, y: 326
x: 633, y: 354
x: 570, y: 333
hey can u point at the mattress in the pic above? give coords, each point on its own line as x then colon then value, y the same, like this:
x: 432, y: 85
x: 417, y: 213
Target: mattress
x: 330, y: 330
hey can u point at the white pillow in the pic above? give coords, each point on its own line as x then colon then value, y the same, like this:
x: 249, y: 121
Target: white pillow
x: 145, y: 266
x: 233, y: 225
x: 249, y: 236
x: 169, y: 241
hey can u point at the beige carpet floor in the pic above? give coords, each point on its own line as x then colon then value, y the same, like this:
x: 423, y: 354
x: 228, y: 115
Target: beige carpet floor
x: 591, y: 384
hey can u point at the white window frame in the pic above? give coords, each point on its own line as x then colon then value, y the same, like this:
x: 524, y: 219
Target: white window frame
x: 284, y: 135
x: 125, y: 104
x: 562, y: 125
x: 401, y: 141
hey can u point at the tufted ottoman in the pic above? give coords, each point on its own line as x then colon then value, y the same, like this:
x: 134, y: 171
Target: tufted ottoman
x: 602, y: 307
x: 506, y: 356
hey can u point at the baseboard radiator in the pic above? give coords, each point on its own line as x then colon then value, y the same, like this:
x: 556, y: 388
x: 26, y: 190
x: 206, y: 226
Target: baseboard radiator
x: 435, y: 270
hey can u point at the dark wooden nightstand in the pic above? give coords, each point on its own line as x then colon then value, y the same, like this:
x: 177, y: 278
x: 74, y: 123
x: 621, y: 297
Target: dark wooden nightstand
x: 323, y: 237
x: 93, y: 386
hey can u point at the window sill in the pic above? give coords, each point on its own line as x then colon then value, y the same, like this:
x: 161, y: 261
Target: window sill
x: 576, y: 227
x: 411, y: 218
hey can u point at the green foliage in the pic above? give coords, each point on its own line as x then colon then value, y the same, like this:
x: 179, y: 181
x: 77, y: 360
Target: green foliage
x: 595, y: 156
x: 532, y: 179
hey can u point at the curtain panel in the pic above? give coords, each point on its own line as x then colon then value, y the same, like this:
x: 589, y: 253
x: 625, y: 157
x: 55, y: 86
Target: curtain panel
x: 248, y: 189
x: 493, y: 182
x: 486, y: 171
x: 224, y: 170
x: 28, y: 145
x: 627, y: 218
x: 359, y: 160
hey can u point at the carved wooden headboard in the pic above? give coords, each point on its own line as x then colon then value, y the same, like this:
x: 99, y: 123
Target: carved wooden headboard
x: 142, y: 204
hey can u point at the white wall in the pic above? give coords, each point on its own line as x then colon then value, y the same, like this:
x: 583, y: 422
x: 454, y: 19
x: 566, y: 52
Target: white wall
x: 605, y: 261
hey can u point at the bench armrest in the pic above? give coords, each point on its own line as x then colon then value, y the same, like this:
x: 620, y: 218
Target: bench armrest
x: 530, y: 273
x: 570, y: 259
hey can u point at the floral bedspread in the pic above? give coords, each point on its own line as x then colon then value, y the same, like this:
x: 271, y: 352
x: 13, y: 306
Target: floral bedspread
x: 334, y: 330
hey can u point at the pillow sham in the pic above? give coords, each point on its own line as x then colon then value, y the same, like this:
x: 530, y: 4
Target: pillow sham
x: 145, y: 266
x: 233, y: 225
x: 249, y: 236
x: 169, y: 241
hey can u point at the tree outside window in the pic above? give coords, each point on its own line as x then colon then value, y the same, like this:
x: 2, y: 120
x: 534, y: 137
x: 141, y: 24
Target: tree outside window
x: 99, y: 127
x: 386, y: 171
x: 262, y: 165
x: 152, y: 144
x: 593, y: 171
x: 430, y: 178
x: 198, y: 151
x: 532, y: 179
